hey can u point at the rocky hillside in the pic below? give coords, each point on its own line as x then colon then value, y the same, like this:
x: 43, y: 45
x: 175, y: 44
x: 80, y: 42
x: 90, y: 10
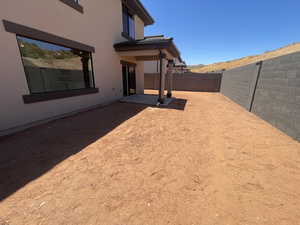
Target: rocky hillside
x: 246, y: 60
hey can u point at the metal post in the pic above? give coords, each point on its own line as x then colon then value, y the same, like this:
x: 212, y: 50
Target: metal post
x: 161, y: 79
x: 170, y: 78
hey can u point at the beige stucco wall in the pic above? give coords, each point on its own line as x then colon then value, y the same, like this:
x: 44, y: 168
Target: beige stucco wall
x: 139, y: 28
x: 100, y: 26
x: 140, y: 78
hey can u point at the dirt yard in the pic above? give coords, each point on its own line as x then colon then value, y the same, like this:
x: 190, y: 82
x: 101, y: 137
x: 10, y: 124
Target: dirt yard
x: 208, y: 162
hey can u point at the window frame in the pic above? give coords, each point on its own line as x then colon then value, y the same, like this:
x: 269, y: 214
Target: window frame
x: 33, y: 98
x: 129, y: 15
x: 50, y: 95
x: 74, y: 4
x: 92, y: 81
x: 27, y: 32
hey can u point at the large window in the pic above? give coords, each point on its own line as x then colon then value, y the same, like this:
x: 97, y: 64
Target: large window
x: 128, y: 23
x: 51, y: 68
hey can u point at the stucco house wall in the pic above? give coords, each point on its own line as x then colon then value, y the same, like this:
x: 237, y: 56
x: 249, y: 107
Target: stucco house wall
x: 139, y: 28
x: 99, y: 26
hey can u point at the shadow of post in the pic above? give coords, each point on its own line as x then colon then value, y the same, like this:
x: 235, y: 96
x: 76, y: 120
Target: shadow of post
x: 27, y: 155
x: 177, y: 103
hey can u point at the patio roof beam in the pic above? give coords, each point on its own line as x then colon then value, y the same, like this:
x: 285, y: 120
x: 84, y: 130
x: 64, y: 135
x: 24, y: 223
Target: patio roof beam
x: 149, y: 57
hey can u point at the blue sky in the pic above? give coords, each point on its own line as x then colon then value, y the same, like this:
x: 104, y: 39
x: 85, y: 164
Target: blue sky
x: 219, y: 30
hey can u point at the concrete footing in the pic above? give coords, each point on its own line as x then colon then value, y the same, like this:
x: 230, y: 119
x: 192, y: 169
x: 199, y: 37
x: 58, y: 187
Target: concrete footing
x: 151, y: 100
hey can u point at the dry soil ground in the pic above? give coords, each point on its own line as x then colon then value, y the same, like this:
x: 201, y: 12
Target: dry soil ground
x: 210, y: 164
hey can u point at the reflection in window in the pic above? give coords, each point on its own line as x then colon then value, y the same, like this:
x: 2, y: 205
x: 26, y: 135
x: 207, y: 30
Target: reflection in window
x: 128, y: 23
x: 49, y: 67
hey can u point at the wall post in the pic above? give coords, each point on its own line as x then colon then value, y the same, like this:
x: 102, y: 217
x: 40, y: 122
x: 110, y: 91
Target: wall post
x: 253, y: 85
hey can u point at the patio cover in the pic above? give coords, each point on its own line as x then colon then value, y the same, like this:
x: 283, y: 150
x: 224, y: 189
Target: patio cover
x: 152, y: 48
x: 143, y: 46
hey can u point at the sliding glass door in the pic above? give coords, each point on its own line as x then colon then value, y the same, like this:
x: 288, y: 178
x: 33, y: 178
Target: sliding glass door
x: 129, y: 79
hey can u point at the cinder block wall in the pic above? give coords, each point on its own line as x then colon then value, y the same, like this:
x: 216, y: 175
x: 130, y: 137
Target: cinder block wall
x: 151, y: 81
x: 236, y: 84
x: 188, y: 82
x: 197, y: 82
x: 276, y: 98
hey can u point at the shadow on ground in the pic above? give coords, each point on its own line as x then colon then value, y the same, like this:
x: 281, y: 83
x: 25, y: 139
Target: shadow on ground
x: 177, y: 103
x: 27, y: 155
x: 151, y: 100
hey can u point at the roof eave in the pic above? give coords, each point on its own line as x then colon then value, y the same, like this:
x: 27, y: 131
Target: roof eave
x: 173, y: 49
x: 169, y: 46
x: 148, y: 18
x: 137, y: 7
x: 131, y: 47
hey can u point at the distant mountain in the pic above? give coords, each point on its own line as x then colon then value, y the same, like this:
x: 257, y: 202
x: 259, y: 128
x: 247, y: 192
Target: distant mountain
x: 195, y: 66
x: 35, y: 56
x: 215, y: 67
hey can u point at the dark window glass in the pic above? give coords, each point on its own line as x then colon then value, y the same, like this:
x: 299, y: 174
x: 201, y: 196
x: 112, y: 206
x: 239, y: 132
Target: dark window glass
x: 128, y: 23
x: 49, y: 67
x: 129, y: 80
x: 131, y: 29
x: 125, y: 23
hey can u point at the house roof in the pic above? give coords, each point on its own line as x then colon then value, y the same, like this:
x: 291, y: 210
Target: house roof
x: 180, y: 65
x: 137, y: 7
x: 180, y: 59
x: 149, y: 43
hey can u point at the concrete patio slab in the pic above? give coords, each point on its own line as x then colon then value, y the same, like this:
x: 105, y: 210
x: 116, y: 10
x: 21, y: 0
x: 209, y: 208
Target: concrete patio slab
x: 146, y: 99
